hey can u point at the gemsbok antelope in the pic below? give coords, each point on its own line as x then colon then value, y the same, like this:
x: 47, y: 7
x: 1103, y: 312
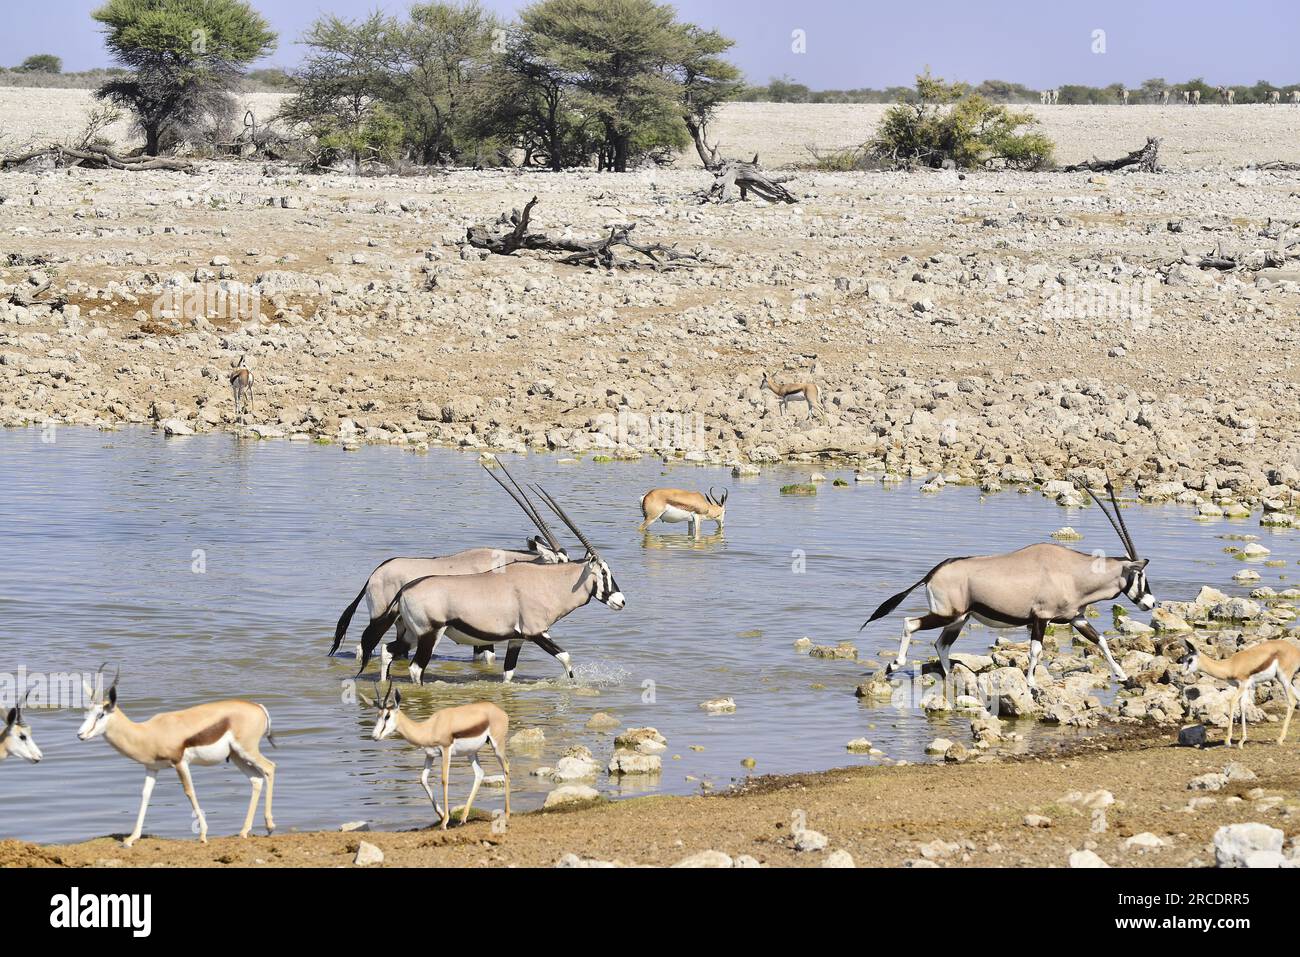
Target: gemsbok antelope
x: 1035, y: 586
x: 460, y: 730
x: 673, y: 505
x: 517, y: 603
x: 16, y: 738
x: 241, y: 383
x: 1267, y: 661
x: 387, y: 580
x: 795, y: 391
x: 206, y: 734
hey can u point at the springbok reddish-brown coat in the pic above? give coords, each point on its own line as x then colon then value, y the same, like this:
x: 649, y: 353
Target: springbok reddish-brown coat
x: 206, y: 734
x: 675, y: 505
x: 1267, y: 661
x: 463, y: 729
x: 241, y: 383
x: 789, y: 392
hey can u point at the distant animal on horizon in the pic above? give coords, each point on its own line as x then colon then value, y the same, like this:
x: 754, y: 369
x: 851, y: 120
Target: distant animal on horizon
x: 1123, y: 96
x: 1033, y: 587
x: 1164, y: 98
x: 1275, y: 97
x: 241, y: 383
x: 1276, y: 660
x: 675, y: 505
x: 795, y: 391
x: 1295, y: 97
x: 1227, y: 95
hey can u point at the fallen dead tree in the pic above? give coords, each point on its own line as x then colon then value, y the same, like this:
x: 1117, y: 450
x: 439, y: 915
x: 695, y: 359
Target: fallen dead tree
x: 1146, y: 159
x: 96, y: 157
x: 509, y: 234
x: 736, y: 176
x: 1283, y: 166
x: 31, y: 297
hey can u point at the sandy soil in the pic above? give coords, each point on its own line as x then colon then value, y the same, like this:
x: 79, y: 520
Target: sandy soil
x: 880, y: 816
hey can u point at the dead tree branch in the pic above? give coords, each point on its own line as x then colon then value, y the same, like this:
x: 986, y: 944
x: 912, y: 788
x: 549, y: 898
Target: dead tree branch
x: 97, y: 157
x: 509, y: 234
x: 737, y: 175
x: 1146, y: 159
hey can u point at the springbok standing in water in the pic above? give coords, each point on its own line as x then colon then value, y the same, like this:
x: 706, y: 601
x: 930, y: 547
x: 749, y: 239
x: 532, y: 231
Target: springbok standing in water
x: 795, y: 391
x: 1267, y: 661
x: 241, y: 383
x: 447, y: 733
x: 387, y: 580
x: 1033, y: 587
x: 206, y: 734
x: 674, y: 505
x: 16, y: 738
x: 517, y: 603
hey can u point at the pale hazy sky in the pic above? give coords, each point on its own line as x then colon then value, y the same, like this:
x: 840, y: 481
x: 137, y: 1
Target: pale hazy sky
x: 1039, y: 43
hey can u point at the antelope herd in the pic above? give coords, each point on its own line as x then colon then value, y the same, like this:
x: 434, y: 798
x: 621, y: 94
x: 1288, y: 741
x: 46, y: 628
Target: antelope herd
x: 1191, y: 97
x: 486, y: 596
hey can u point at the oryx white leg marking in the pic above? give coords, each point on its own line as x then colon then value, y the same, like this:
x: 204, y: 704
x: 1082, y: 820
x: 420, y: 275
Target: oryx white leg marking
x: 1084, y: 628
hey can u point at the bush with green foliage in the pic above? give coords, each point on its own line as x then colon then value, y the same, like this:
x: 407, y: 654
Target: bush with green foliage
x: 41, y: 63
x: 185, y: 56
x: 949, y: 124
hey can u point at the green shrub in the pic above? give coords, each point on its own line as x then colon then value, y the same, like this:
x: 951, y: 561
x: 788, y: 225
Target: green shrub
x: 950, y: 124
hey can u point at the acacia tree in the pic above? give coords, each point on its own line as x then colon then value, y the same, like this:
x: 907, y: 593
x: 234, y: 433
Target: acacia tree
x: 344, y: 85
x: 184, y: 56
x: 708, y: 80
x: 41, y: 63
x: 618, y: 56
x: 444, y: 52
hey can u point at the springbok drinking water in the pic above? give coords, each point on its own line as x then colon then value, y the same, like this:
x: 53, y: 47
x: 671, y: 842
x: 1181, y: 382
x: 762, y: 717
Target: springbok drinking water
x: 1267, y: 661
x: 1033, y: 587
x: 674, y: 505
x: 16, y: 738
x: 447, y: 733
x: 206, y: 734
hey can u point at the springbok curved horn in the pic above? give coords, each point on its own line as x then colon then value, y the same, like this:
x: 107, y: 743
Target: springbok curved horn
x: 710, y: 497
x: 591, y: 549
x: 1128, y: 546
x: 532, y: 510
x: 726, y: 494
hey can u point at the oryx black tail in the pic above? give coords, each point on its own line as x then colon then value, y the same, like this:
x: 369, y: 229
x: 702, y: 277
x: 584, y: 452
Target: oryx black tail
x: 376, y: 629
x: 345, y: 619
x: 892, y: 603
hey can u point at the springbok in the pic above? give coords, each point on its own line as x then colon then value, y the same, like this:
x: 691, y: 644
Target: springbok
x: 1035, y: 586
x: 517, y: 603
x: 674, y: 505
x: 1227, y: 95
x: 460, y: 730
x: 792, y: 391
x: 387, y: 580
x: 241, y: 383
x: 16, y: 738
x: 1267, y: 661
x: 1275, y: 97
x: 206, y: 734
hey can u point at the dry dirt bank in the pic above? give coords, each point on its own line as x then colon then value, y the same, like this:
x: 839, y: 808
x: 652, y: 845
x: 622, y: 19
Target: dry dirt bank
x: 964, y: 815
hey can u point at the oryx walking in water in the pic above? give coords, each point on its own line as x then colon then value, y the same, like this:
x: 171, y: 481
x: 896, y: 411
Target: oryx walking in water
x: 674, y: 505
x: 387, y: 580
x: 1033, y: 587
x: 16, y: 738
x: 460, y: 730
x: 206, y: 734
x: 517, y: 603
